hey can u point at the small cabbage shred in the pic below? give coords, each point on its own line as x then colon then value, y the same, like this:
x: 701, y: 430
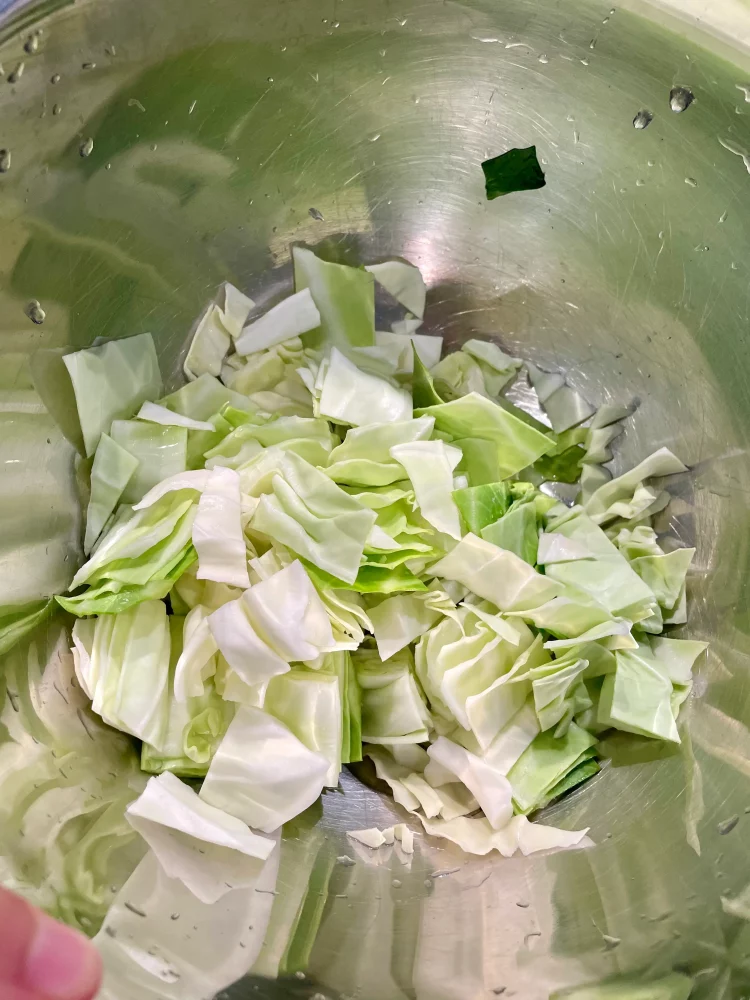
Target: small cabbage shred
x: 334, y: 546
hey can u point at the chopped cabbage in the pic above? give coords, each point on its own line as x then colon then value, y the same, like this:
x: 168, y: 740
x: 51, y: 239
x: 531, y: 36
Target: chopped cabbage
x: 111, y: 382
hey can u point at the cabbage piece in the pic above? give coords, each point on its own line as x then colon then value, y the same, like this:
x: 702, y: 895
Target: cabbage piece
x: 665, y: 574
x: 217, y: 531
x: 110, y: 382
x: 129, y: 671
x: 660, y: 463
x: 142, y: 545
x: 207, y: 849
x: 213, y: 335
x: 201, y: 399
x: 513, y: 738
x: 481, y: 506
x: 606, y: 576
x: 344, y: 296
x: 546, y: 761
x: 340, y: 664
x: 559, y: 692
x: 278, y: 621
x: 492, y: 708
x: 490, y: 788
x: 423, y: 388
x: 309, y: 703
x: 429, y: 465
x: 403, y: 345
x: 351, y: 396
x: 197, y: 659
x: 262, y: 773
x: 397, y: 621
x: 515, y: 444
x: 567, y: 408
x: 287, y: 612
x: 193, y: 479
x: 476, y: 836
x: 161, y: 452
x: 105, y: 600
x: 516, y: 532
x: 16, y: 621
x: 647, y: 688
x: 314, y: 518
x: 110, y: 474
x: 157, y: 414
x: 290, y: 318
x: 497, y: 367
x: 307, y: 436
x: 403, y: 281
x: 364, y: 457
x: 457, y: 375
x: 496, y: 575
x: 460, y: 662
x: 393, y: 710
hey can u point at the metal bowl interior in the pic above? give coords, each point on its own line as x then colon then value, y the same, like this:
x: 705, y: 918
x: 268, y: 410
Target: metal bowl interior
x: 216, y: 128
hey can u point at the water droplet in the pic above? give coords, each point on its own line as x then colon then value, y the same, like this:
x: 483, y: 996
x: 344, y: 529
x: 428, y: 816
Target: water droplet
x: 643, y: 119
x: 651, y: 163
x: 4, y: 161
x: 153, y: 147
x: 592, y: 43
x: 88, y: 65
x: 15, y: 75
x: 736, y: 268
x: 299, y: 974
x: 316, y: 214
x: 270, y: 79
x: 374, y: 138
x: 610, y: 942
x: 605, y: 21
x: 56, y: 109
x: 396, y: 883
x: 544, y: 58
x: 32, y: 44
x: 336, y: 24
x: 175, y: 916
x: 576, y: 137
x: 382, y: 52
x: 640, y: 183
x: 584, y: 62
x: 55, y: 78
x: 727, y: 825
x: 701, y: 248
x: 680, y: 99
x: 86, y: 148
x: 110, y: 50
x: 723, y: 217
x: 691, y: 182
x: 35, y: 312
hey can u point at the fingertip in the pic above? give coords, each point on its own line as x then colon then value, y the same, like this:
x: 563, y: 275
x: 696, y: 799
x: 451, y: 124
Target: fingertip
x: 61, y: 963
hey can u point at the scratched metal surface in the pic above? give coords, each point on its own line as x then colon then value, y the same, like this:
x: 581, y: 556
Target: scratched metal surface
x: 216, y: 128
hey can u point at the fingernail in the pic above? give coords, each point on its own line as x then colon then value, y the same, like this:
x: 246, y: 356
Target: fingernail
x: 61, y: 963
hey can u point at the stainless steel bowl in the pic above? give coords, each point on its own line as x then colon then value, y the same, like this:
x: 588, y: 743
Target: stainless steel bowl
x: 216, y: 127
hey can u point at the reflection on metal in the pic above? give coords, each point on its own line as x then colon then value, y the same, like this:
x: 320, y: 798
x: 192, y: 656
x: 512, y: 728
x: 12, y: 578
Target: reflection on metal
x: 236, y: 166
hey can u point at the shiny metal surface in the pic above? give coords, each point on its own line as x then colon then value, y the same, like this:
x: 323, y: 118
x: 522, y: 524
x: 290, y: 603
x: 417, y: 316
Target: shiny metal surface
x: 216, y: 128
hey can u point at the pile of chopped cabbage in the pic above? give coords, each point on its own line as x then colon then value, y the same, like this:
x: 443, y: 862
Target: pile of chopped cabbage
x: 332, y: 544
